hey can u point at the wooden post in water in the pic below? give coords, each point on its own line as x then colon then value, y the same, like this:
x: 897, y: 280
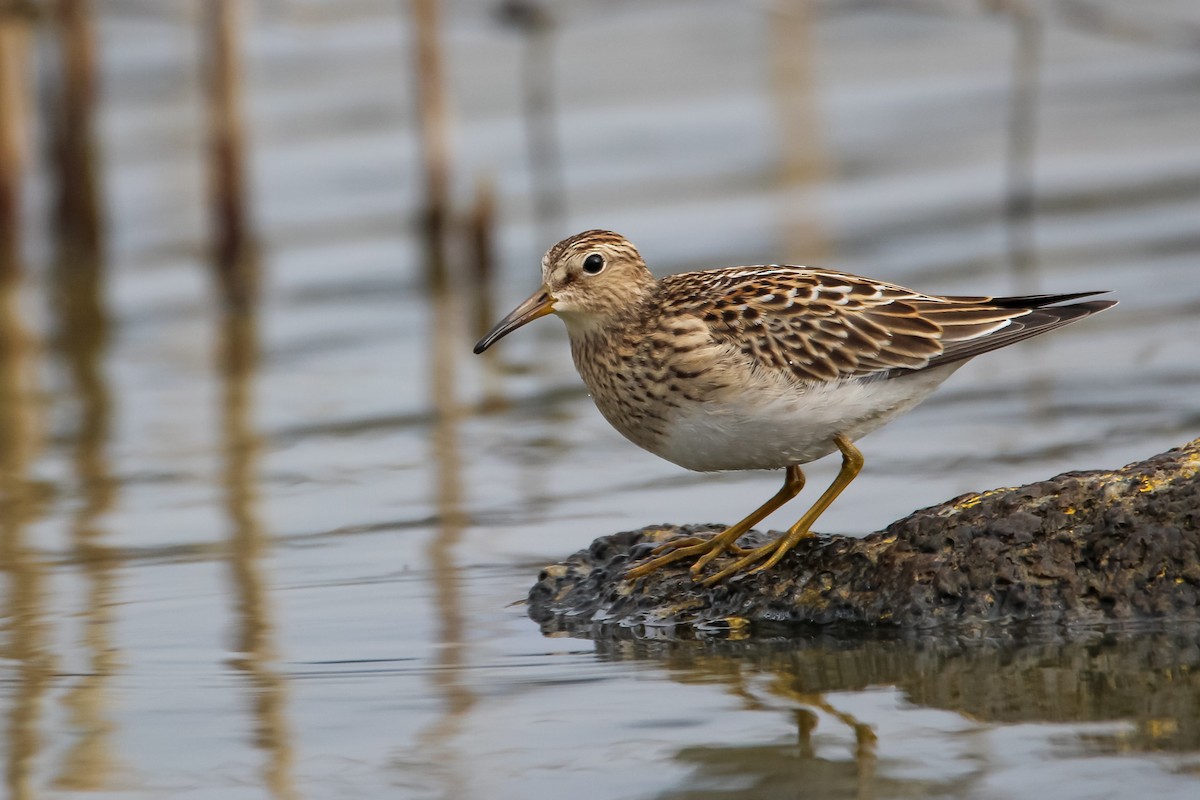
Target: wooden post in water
x: 481, y: 256
x: 481, y: 234
x: 535, y: 21
x: 802, y: 158
x: 433, y: 117
x: 14, y: 68
x: 234, y: 252
x: 1022, y: 145
x: 77, y: 220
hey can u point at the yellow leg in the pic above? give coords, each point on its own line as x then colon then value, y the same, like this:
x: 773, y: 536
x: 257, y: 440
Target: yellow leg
x: 852, y: 461
x: 793, y: 484
x: 708, y: 549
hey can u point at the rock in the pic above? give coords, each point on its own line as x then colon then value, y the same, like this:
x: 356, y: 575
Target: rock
x: 1082, y: 548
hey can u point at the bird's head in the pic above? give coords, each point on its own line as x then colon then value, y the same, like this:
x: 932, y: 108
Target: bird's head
x: 588, y: 279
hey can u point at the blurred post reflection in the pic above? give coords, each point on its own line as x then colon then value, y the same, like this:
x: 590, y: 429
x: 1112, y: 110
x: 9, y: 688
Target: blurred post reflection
x: 29, y: 666
x: 15, y: 69
x: 254, y: 651
x: 446, y: 342
x: 81, y: 340
x: 802, y: 158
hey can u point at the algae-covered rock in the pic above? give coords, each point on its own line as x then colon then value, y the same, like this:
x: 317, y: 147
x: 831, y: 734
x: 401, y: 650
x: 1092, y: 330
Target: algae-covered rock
x: 1077, y: 549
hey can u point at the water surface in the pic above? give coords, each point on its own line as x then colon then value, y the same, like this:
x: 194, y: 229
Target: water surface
x: 280, y: 559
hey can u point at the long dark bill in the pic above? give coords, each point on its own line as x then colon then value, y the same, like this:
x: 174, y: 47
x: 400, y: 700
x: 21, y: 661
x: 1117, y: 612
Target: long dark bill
x: 539, y: 304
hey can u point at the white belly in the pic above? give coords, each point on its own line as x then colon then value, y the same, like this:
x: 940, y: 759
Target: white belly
x: 771, y: 430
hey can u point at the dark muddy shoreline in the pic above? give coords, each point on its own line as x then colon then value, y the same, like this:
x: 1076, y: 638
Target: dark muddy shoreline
x: 1082, y: 548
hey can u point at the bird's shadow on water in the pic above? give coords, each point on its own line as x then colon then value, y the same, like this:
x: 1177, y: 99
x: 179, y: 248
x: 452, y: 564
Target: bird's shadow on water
x: 1127, y: 690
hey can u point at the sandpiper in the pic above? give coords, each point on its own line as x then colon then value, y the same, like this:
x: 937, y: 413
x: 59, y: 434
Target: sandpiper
x: 761, y: 367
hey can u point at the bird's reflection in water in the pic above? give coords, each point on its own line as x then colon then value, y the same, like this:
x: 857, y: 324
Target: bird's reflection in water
x: 1146, y: 680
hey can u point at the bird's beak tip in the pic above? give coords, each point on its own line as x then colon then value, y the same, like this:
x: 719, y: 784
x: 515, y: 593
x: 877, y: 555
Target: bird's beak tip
x: 539, y: 304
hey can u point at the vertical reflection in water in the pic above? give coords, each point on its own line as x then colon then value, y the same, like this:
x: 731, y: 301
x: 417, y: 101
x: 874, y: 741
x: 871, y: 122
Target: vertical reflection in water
x: 802, y: 164
x: 25, y: 648
x: 81, y: 339
x: 255, y: 652
x: 457, y: 698
x: 865, y: 739
x: 1022, y: 143
x: 806, y: 724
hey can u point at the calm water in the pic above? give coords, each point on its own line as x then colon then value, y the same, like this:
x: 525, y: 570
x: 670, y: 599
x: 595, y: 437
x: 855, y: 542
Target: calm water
x: 293, y: 574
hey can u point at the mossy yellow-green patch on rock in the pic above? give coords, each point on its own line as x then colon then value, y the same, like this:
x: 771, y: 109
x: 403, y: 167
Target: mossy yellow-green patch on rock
x: 1079, y: 548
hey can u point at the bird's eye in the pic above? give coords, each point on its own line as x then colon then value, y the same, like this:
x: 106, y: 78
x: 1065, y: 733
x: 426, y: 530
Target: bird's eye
x: 593, y: 264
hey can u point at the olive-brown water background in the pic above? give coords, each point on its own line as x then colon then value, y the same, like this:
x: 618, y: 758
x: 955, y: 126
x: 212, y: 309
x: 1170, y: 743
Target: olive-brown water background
x: 266, y: 542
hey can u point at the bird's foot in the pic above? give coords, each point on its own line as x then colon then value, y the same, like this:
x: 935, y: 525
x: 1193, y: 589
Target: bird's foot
x: 771, y: 551
x: 678, y: 549
x: 694, y: 541
x: 678, y: 544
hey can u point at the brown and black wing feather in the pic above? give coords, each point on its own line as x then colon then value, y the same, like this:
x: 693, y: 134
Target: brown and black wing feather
x: 1039, y: 316
x: 821, y: 325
